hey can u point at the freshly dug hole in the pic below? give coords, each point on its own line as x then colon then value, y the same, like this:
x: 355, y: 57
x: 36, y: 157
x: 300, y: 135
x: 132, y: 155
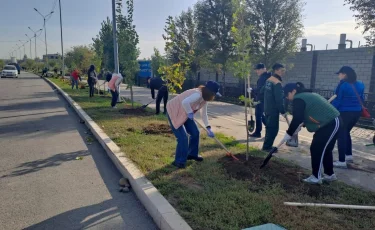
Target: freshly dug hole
x: 155, y: 129
x: 289, y: 177
x: 128, y: 110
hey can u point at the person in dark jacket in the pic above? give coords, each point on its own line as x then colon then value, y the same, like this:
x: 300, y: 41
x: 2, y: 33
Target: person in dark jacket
x: 350, y: 108
x: 263, y: 75
x: 158, y: 84
x: 91, y: 79
x: 322, y: 119
x: 273, y: 105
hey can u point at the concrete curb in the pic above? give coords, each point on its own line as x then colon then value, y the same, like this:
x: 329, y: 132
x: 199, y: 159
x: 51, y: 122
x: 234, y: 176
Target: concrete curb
x: 164, y: 215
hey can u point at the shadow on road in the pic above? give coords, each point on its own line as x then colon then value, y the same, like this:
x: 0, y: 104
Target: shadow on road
x: 53, y: 161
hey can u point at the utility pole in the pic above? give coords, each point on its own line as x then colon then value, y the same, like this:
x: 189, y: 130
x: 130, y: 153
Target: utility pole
x: 35, y: 39
x: 62, y: 46
x: 45, y: 31
x: 115, y: 45
x: 24, y: 50
x: 30, y: 46
x: 19, y: 48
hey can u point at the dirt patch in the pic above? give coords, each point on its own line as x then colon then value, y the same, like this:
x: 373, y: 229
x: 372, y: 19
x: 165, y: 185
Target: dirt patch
x: 289, y: 177
x: 137, y: 111
x: 156, y: 129
x: 130, y: 130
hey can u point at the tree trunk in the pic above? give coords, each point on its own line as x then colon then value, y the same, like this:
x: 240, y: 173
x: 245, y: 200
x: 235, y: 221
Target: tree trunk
x: 131, y: 96
x: 246, y: 120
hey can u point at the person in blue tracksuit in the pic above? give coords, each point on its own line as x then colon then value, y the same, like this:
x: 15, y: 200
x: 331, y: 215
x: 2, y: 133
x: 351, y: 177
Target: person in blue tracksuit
x: 263, y: 75
x: 350, y: 109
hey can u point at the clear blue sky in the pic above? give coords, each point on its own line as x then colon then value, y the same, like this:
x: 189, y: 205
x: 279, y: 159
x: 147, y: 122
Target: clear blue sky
x: 324, y: 20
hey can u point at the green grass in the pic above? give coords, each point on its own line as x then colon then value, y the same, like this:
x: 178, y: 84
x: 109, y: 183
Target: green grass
x: 206, y: 195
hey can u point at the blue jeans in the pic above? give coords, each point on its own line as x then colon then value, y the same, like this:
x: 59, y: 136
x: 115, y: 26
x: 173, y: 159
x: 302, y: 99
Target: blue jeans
x: 115, y: 96
x: 259, y: 118
x: 74, y: 82
x: 186, y: 147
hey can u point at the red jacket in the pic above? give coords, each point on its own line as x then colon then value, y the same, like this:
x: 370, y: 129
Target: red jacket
x: 75, y: 75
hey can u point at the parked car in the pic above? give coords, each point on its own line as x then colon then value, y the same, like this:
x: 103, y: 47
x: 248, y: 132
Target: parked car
x: 17, y: 66
x: 9, y: 71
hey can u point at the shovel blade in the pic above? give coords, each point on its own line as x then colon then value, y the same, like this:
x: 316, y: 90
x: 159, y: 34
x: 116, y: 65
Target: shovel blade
x: 251, y: 125
x: 268, y: 158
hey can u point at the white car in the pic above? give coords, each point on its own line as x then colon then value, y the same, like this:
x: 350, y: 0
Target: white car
x: 9, y: 71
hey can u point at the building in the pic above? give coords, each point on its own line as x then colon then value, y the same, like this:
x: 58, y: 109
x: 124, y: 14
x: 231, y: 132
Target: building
x: 52, y: 56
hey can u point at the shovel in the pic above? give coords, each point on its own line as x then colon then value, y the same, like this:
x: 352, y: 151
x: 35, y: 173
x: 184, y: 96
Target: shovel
x: 144, y: 106
x: 229, y: 154
x: 251, y: 124
x: 270, y: 154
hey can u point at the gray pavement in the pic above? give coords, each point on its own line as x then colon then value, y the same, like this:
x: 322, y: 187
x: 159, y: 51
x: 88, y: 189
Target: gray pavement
x: 42, y: 185
x: 230, y: 120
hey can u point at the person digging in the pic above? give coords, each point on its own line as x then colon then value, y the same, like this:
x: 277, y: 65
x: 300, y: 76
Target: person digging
x: 273, y: 105
x: 160, y: 85
x: 114, y: 85
x: 180, y: 113
x: 322, y: 119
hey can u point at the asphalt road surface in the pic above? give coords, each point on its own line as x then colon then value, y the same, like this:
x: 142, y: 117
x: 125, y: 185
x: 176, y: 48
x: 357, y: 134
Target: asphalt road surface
x: 42, y: 184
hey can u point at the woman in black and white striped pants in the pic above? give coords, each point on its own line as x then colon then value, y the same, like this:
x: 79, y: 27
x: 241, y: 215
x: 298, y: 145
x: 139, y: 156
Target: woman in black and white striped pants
x: 321, y: 118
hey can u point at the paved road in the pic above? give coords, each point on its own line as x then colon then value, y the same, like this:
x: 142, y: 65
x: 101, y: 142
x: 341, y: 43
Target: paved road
x: 230, y: 120
x: 42, y: 185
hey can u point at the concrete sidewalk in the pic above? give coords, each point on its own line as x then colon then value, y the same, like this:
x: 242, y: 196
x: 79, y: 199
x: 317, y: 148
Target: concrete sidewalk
x: 42, y: 183
x: 229, y: 119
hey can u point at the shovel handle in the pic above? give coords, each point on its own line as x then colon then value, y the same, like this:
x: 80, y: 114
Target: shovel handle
x: 217, y: 140
x: 332, y: 98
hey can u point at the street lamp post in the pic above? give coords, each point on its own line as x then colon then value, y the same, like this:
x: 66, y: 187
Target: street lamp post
x: 62, y: 45
x: 115, y: 45
x: 45, y: 30
x: 30, y: 46
x: 35, y: 39
x: 24, y: 49
x: 19, y: 48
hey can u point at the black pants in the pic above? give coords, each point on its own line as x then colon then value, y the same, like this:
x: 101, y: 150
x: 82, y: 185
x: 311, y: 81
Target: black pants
x: 162, y: 94
x: 272, y: 129
x: 91, y: 89
x: 344, y: 140
x: 259, y: 118
x: 115, y: 96
x: 321, y: 148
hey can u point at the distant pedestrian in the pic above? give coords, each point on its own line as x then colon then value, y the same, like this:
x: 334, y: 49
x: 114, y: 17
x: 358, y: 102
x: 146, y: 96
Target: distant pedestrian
x: 348, y: 102
x: 180, y: 113
x: 320, y: 118
x: 114, y: 85
x: 91, y: 79
x: 74, y: 78
x: 160, y: 85
x: 263, y: 75
x: 273, y: 105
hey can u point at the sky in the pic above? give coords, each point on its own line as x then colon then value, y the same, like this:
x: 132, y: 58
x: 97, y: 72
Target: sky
x: 324, y: 21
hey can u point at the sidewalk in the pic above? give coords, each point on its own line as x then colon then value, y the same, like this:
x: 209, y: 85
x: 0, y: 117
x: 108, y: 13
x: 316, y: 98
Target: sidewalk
x: 229, y: 119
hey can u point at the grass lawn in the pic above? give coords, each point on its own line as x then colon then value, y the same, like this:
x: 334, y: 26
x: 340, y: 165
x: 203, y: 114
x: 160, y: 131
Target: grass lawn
x: 220, y: 193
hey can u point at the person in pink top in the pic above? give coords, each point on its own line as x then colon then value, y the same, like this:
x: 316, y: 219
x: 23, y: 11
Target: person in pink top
x: 114, y: 85
x: 180, y: 113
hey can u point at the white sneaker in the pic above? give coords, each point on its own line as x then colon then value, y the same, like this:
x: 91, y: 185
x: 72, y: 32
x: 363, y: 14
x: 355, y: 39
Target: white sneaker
x: 312, y: 180
x: 331, y: 178
x: 114, y: 107
x: 339, y: 164
x: 349, y: 159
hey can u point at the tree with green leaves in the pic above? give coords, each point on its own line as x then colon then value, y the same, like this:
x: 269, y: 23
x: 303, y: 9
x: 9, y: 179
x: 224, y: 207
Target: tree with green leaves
x: 81, y: 57
x: 365, y: 17
x: 157, y: 61
x: 103, y: 45
x: 276, y: 28
x: 128, y: 40
x: 241, y: 61
x: 214, y: 20
x: 180, y: 57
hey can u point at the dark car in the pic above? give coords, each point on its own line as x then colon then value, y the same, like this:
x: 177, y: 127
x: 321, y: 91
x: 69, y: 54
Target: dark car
x: 17, y: 66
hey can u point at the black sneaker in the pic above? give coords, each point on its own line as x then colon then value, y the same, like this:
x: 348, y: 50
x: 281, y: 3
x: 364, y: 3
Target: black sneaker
x: 256, y: 135
x: 178, y: 165
x: 198, y: 158
x: 157, y: 113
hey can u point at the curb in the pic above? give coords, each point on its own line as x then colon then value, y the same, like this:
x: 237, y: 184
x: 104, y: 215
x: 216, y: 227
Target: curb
x: 162, y: 212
